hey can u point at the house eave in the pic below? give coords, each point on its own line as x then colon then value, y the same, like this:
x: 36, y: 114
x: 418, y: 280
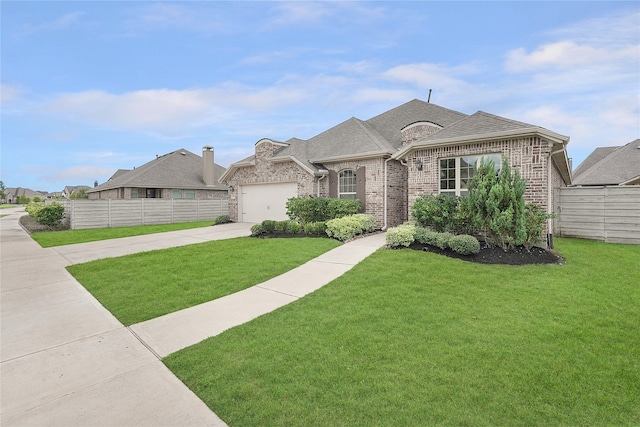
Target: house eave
x: 297, y: 161
x: 235, y: 166
x: 633, y: 181
x: 479, y: 138
x: 350, y: 157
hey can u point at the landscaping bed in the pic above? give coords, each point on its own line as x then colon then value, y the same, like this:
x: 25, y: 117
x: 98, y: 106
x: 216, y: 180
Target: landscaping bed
x: 495, y: 255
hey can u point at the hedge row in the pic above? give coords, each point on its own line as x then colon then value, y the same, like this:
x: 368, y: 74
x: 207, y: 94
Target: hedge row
x: 408, y: 233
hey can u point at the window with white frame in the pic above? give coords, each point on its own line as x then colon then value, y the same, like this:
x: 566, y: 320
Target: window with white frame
x: 456, y: 172
x: 347, y: 184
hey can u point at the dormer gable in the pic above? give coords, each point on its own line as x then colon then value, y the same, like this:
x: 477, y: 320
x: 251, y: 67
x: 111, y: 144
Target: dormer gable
x: 266, y: 147
x: 418, y: 130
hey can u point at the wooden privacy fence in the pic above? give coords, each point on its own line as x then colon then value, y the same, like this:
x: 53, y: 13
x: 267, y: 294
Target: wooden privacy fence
x: 608, y: 214
x: 81, y: 214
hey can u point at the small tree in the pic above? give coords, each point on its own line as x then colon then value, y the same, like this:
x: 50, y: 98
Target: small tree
x: 3, y: 195
x: 80, y: 194
x: 497, y: 206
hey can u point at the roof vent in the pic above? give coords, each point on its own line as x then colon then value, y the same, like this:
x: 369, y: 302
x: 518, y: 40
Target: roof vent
x: 183, y: 153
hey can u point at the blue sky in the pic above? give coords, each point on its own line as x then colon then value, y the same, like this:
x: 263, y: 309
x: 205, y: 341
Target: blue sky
x: 90, y: 87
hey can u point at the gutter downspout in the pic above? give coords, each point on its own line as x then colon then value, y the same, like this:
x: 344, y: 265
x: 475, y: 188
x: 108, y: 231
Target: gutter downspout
x: 550, y: 197
x: 384, y: 215
x: 324, y: 173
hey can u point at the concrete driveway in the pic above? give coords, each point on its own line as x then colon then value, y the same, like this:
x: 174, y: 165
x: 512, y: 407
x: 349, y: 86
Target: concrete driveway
x: 65, y: 360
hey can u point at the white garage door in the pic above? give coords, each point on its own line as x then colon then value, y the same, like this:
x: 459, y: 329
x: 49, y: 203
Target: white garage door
x: 266, y: 201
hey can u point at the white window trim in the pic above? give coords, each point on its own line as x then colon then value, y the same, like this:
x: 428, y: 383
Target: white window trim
x: 349, y: 194
x: 458, y: 190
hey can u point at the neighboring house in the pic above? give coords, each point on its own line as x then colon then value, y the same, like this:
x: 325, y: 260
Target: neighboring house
x: 610, y: 166
x: 69, y: 190
x: 392, y: 159
x: 180, y: 174
x: 12, y: 194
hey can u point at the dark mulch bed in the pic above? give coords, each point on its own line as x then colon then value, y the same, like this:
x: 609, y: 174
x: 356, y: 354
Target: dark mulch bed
x: 31, y: 225
x: 495, y: 255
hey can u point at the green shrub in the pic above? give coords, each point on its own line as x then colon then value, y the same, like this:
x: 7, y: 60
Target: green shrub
x: 438, y: 212
x: 23, y: 200
x: 347, y: 227
x: 316, y: 228
x: 464, y: 244
x: 50, y: 214
x: 442, y: 240
x: 496, y: 204
x: 338, y: 208
x: 295, y: 227
x: 317, y: 209
x: 33, y: 208
x: 257, y: 230
x: 403, y: 235
x: 282, y: 226
x: 269, y: 226
x: 223, y: 219
x: 426, y: 236
x: 535, y: 217
x: 307, y: 209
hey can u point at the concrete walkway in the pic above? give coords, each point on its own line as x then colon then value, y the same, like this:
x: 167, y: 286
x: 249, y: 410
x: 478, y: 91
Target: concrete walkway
x: 66, y: 361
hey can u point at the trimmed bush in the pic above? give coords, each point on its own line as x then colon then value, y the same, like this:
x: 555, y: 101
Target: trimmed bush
x: 49, y: 215
x: 316, y: 228
x: 347, y: 227
x: 403, y: 235
x: 338, y: 208
x: 269, y: 226
x: 426, y: 236
x: 257, y: 230
x: 464, y: 244
x: 442, y: 240
x: 438, y: 212
x: 295, y: 227
x: 222, y: 219
x: 317, y: 209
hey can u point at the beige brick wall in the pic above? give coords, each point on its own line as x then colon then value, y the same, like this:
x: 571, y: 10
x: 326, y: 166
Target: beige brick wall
x: 528, y: 155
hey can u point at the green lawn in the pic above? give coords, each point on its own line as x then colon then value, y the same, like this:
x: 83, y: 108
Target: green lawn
x: 47, y: 239
x: 410, y: 338
x: 142, y: 286
x: 7, y: 206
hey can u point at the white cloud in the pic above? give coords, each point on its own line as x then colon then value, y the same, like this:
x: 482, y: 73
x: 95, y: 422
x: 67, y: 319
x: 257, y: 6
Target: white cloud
x: 163, y: 16
x: 9, y: 93
x: 63, y: 22
x: 566, y: 53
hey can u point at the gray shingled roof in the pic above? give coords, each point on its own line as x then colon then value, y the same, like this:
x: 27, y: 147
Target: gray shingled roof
x: 178, y: 169
x: 390, y: 124
x: 619, y: 166
x: 593, y: 158
x: 355, y: 137
x: 477, y: 124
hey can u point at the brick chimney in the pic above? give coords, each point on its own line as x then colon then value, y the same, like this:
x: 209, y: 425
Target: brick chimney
x: 208, y: 174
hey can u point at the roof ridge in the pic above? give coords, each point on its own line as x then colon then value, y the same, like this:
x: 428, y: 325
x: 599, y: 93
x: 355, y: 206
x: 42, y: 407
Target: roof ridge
x: 373, y: 134
x: 593, y: 168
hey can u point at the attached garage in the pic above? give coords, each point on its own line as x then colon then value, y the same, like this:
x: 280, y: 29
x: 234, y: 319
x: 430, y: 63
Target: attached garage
x: 265, y: 201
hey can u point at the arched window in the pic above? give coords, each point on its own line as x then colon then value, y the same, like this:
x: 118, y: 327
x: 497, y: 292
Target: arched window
x: 347, y: 184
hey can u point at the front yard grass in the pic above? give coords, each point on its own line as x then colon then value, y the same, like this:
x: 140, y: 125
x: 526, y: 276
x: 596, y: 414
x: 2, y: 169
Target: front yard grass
x: 409, y: 338
x: 142, y: 286
x: 47, y: 239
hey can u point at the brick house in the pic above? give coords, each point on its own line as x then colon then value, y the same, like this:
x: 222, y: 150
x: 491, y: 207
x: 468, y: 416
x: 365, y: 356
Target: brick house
x: 610, y: 166
x: 391, y: 159
x: 179, y: 174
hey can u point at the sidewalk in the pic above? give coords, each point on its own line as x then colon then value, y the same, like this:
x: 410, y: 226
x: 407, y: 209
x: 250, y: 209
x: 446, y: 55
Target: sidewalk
x: 65, y: 360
